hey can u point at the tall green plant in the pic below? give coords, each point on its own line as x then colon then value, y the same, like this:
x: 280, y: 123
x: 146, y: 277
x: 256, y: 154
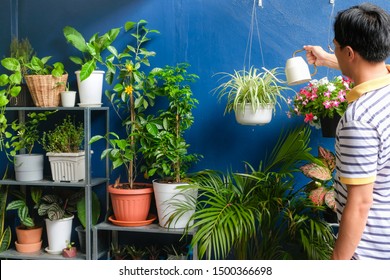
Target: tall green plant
x: 166, y: 150
x: 5, y: 232
x: 258, y: 214
x: 130, y: 97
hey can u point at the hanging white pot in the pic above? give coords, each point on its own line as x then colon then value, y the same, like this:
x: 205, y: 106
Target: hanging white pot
x: 247, y: 116
x: 90, y: 90
x: 58, y: 234
x: 28, y: 167
x: 165, y: 194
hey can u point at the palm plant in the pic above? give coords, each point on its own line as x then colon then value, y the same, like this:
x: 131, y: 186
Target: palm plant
x: 258, y: 214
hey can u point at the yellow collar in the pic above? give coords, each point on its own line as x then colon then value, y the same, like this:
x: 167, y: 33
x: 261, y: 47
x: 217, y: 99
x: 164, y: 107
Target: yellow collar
x: 365, y: 87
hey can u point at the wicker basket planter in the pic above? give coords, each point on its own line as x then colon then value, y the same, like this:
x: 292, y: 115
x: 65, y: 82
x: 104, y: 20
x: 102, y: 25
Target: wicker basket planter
x: 45, y: 89
x: 68, y: 167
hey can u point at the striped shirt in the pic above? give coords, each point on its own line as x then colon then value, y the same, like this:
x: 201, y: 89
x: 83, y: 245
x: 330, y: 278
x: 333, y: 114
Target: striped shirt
x: 363, y: 157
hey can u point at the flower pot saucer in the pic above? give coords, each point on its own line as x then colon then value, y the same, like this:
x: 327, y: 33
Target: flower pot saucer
x: 150, y: 219
x: 52, y: 252
x: 89, y: 105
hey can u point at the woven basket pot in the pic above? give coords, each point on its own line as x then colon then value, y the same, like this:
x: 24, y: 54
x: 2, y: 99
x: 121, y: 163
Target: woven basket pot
x: 45, y: 89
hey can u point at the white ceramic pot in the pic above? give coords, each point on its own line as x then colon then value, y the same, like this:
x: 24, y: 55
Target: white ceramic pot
x: 58, y: 234
x: 261, y: 116
x: 164, y: 194
x: 68, y: 98
x: 90, y: 90
x: 28, y: 167
x: 68, y: 167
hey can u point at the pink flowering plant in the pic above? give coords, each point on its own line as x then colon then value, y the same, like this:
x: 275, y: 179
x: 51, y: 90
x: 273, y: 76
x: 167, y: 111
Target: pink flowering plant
x: 321, y: 98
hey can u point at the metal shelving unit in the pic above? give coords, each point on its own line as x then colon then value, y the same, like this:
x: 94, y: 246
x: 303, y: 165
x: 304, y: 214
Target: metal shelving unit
x: 89, y: 113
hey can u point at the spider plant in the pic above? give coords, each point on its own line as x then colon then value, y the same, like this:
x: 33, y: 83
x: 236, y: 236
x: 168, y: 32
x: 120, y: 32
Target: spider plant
x: 252, y: 87
x: 259, y: 214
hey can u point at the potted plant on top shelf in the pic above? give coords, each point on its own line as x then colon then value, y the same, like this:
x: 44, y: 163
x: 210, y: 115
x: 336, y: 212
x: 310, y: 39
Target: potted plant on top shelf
x: 251, y: 94
x: 131, y: 96
x: 165, y: 149
x: 20, y: 144
x: 67, y: 161
x: 90, y: 80
x: 29, y: 232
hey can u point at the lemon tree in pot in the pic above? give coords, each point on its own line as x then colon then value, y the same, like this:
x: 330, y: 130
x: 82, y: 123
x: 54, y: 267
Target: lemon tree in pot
x: 165, y: 149
x: 89, y: 79
x: 251, y: 94
x: 131, y: 96
x: 63, y: 147
x: 29, y: 232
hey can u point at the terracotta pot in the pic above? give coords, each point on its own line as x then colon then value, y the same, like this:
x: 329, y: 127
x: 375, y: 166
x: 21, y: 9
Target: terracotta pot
x: 28, y: 236
x: 131, y: 204
x: 28, y: 248
x: 69, y: 253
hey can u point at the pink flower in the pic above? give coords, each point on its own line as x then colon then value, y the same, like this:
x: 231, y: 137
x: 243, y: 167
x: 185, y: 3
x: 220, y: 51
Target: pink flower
x: 309, y: 117
x: 327, y: 104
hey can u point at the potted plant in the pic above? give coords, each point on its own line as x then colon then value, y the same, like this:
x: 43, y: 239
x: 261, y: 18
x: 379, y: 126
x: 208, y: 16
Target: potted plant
x: 45, y: 81
x: 259, y: 214
x: 28, y: 165
x: 131, y: 96
x: 28, y: 233
x: 70, y: 251
x: 81, y: 215
x: 5, y: 232
x: 68, y: 97
x: 320, y: 189
x: 251, y: 94
x: 67, y: 161
x: 58, y: 214
x: 166, y: 150
x: 322, y: 101
x: 90, y: 80
x: 22, y: 51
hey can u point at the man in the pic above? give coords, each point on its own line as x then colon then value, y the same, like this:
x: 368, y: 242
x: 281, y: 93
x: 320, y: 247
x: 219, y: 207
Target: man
x: 361, y: 47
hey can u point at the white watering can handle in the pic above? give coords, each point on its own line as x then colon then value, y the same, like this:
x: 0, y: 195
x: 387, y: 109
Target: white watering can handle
x: 315, y: 67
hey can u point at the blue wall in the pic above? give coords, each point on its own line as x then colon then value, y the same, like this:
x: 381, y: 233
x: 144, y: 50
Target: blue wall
x: 209, y: 34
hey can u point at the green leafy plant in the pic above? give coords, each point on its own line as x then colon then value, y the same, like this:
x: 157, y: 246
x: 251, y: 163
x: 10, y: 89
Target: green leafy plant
x: 5, y: 232
x: 22, y: 207
x: 67, y: 137
x: 26, y: 134
x: 91, y: 50
x: 250, y: 87
x: 81, y: 210
x: 40, y: 66
x: 22, y: 51
x: 131, y: 96
x: 166, y: 150
x: 54, y: 207
x: 259, y: 214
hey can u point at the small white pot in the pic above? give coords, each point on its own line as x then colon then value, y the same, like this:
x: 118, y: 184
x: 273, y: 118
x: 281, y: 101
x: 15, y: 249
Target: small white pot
x: 58, y: 234
x: 28, y: 167
x: 164, y: 194
x: 261, y: 116
x: 90, y: 90
x: 68, y: 98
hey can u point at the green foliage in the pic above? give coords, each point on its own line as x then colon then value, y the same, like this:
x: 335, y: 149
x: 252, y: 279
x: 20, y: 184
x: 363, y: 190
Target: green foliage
x: 91, y: 50
x: 81, y: 209
x: 250, y: 87
x: 54, y: 207
x: 26, y: 134
x: 40, y: 66
x: 258, y: 214
x: 20, y: 204
x: 131, y: 95
x: 66, y: 137
x: 5, y: 233
x: 166, y: 150
x: 22, y: 51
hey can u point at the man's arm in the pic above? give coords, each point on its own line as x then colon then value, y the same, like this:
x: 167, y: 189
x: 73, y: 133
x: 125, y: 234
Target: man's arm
x: 353, y: 220
x: 316, y: 55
